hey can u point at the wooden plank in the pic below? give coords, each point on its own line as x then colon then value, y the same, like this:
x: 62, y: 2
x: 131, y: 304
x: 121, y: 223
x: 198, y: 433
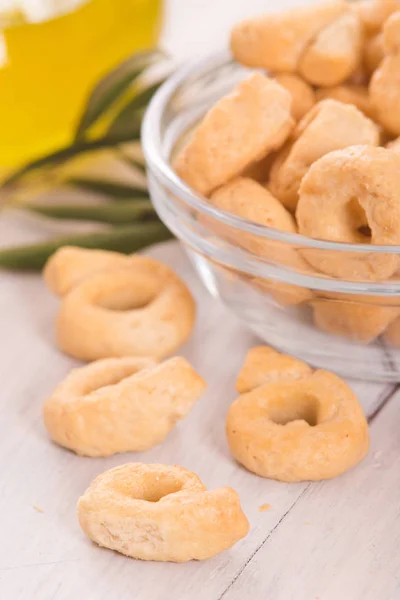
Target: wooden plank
x: 342, y: 537
x: 44, y: 554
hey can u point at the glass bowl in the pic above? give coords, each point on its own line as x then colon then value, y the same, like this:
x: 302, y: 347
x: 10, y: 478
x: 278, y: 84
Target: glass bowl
x: 271, y: 279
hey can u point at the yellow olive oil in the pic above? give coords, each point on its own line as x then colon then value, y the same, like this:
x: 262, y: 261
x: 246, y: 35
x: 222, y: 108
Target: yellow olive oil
x: 48, y: 68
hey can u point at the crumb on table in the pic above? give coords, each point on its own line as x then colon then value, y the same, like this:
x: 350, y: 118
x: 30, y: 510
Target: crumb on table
x: 38, y: 508
x: 264, y: 507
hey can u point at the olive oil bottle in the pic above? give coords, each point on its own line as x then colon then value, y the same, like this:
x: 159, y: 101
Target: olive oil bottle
x: 51, y: 59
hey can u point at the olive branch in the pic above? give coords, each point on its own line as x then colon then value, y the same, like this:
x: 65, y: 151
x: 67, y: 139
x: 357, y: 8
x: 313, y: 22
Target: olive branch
x: 111, y: 120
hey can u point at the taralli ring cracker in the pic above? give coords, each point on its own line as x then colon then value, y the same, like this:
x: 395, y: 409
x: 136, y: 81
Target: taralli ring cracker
x: 304, y: 429
x: 384, y: 86
x: 335, y: 53
x: 143, y: 309
x: 330, y: 125
x: 240, y: 129
x: 121, y: 404
x: 276, y: 42
x: 160, y: 512
x: 354, y: 317
x: 352, y: 196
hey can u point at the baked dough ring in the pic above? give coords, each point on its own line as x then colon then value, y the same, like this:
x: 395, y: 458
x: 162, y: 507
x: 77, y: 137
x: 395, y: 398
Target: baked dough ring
x: 140, y: 310
x: 343, y: 192
x: 349, y: 93
x: 330, y: 125
x: 265, y: 365
x: 384, y: 86
x: 303, y: 95
x: 303, y: 430
x: 121, y: 404
x: 241, y: 128
x: 70, y: 265
x: 360, y: 321
x: 247, y: 198
x: 160, y: 512
x: 335, y: 53
x: 276, y: 42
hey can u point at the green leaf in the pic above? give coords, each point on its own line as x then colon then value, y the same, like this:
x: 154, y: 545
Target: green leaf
x: 143, y: 97
x: 124, y: 239
x: 112, y: 87
x: 114, y: 214
x: 64, y: 154
x: 117, y: 191
x: 129, y: 119
x: 127, y: 122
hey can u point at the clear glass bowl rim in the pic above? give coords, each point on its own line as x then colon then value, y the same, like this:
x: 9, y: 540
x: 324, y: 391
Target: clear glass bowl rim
x: 153, y: 151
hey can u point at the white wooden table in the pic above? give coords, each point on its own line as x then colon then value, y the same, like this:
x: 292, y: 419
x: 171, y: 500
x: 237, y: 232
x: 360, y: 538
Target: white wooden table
x: 337, y: 540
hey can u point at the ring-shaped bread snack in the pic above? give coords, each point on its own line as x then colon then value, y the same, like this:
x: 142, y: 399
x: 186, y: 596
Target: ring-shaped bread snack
x: 384, y: 87
x: 359, y: 319
x: 265, y: 365
x: 330, y: 125
x: 160, y: 512
x: 345, y: 195
x: 143, y: 309
x: 335, y: 53
x: 70, y: 265
x: 121, y: 404
x: 308, y: 429
x: 276, y: 42
x: 241, y: 128
x: 249, y: 199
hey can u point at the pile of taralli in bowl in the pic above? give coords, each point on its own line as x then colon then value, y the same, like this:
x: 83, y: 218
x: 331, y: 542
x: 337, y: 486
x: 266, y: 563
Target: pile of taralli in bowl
x: 127, y: 314
x: 308, y: 144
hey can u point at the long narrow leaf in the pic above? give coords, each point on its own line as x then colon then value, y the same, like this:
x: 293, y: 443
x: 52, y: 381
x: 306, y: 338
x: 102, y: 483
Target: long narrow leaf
x: 112, y: 213
x: 114, y: 190
x: 143, y: 97
x: 66, y: 153
x: 125, y: 239
x: 112, y: 87
x: 127, y: 121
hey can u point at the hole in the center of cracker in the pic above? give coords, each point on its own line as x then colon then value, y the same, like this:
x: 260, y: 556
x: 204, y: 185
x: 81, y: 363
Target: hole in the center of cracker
x: 284, y: 410
x: 159, y: 486
x: 357, y: 220
x: 126, y: 298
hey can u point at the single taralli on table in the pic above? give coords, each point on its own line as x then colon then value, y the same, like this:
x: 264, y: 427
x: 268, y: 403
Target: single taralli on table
x: 160, y: 512
x: 124, y: 404
x: 294, y: 424
x: 114, y: 305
